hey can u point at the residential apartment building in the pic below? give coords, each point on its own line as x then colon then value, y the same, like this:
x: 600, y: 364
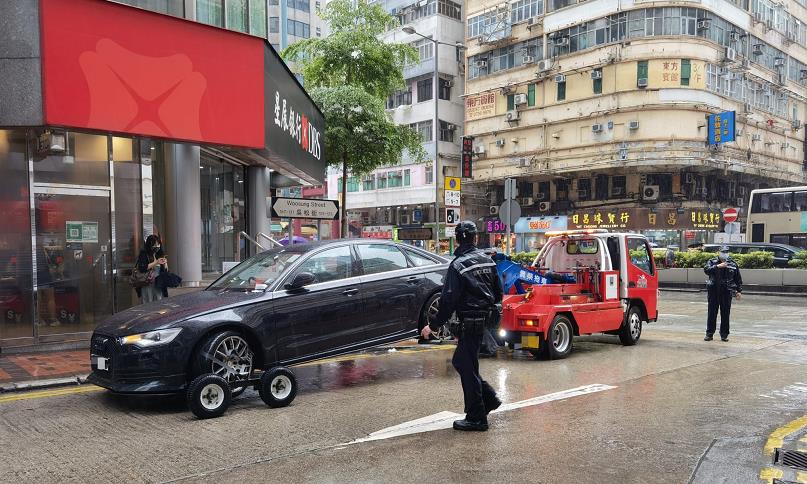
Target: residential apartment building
x: 405, y: 194
x: 599, y: 109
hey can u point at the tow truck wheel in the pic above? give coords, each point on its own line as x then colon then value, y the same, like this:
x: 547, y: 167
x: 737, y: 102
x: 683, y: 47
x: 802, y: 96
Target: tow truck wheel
x: 631, y: 329
x: 278, y: 387
x: 559, y: 342
x: 209, y: 396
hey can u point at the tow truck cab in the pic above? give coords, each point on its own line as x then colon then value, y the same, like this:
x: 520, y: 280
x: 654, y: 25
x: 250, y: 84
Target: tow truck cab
x: 592, y: 282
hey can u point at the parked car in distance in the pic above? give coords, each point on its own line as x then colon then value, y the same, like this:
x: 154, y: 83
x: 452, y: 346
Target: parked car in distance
x: 782, y: 253
x: 283, y: 306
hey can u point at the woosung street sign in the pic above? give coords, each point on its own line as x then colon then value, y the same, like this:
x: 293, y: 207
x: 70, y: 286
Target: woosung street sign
x: 304, y: 208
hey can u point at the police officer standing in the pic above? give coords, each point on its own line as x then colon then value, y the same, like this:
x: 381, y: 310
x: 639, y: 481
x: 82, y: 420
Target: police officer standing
x: 724, y: 284
x: 472, y: 289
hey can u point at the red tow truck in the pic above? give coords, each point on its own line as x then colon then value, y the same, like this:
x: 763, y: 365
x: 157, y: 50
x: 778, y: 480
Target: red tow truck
x: 592, y: 281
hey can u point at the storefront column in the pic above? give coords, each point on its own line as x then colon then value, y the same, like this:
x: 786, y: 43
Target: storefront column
x: 183, y: 209
x: 258, y: 178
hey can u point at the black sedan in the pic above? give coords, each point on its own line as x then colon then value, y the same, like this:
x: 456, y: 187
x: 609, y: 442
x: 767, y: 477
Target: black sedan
x: 281, y: 307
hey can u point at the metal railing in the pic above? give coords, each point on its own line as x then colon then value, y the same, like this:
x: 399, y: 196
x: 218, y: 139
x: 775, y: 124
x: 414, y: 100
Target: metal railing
x: 246, y: 236
x: 270, y: 239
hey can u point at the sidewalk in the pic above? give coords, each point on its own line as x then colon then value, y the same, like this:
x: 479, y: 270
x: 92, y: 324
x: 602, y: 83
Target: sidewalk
x: 39, y: 370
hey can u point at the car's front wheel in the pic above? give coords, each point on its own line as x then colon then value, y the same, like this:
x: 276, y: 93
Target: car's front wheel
x: 228, y: 355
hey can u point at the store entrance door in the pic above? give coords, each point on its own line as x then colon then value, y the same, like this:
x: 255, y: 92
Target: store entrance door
x: 74, y: 280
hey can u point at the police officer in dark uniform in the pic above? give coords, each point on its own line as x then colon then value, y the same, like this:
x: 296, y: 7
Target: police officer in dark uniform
x: 473, y: 290
x: 724, y: 284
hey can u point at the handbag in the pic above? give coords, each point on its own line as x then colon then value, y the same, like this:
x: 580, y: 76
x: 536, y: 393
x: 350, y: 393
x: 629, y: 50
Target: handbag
x: 139, y: 279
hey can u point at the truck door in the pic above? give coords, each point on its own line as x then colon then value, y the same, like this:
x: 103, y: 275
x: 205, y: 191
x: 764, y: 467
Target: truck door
x: 642, y: 275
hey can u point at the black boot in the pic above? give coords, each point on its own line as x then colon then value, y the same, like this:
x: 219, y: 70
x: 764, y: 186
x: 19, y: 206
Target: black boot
x: 470, y: 426
x: 708, y: 337
x: 489, y: 407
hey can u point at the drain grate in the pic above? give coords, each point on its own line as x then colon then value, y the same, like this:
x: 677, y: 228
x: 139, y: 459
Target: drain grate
x: 790, y: 458
x: 782, y: 481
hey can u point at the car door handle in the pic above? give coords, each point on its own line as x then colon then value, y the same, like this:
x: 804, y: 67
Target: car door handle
x: 350, y: 292
x: 412, y: 279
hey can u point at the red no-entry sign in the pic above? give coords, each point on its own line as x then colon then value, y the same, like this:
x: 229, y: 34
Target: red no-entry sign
x: 730, y: 215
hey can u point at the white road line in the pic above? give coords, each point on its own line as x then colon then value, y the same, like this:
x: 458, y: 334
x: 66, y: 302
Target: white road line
x: 445, y: 420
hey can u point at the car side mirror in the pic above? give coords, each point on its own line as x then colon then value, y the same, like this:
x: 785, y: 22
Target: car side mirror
x: 301, y: 280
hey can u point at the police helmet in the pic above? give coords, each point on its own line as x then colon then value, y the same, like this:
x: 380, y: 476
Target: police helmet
x: 724, y: 248
x: 465, y: 231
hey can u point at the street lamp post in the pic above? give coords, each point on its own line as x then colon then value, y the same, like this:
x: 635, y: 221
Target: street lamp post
x: 436, y: 90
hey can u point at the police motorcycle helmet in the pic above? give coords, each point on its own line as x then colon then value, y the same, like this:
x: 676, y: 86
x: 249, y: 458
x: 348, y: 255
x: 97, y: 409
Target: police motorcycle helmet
x: 465, y: 231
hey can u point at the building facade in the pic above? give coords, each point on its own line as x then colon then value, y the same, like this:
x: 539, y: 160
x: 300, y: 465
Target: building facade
x: 117, y: 123
x: 405, y: 194
x: 599, y: 109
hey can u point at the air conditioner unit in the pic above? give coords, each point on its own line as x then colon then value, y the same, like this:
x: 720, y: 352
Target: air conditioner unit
x: 534, y: 22
x: 757, y: 49
x: 479, y: 149
x: 394, y: 12
x: 524, y: 163
x: 747, y: 108
x: 633, y: 125
x: 561, y: 41
x: 650, y: 193
x: 560, y: 78
x: 784, y: 146
x: 743, y: 191
x: 758, y: 16
x: 803, y: 74
x: 641, y: 82
x: 779, y: 61
x: 582, y: 194
x: 745, y: 64
x: 520, y: 99
x: 739, y: 202
x: 791, y: 36
x: 527, y: 59
x: 494, y: 210
x: 448, y: 83
x: 451, y: 127
x: 511, y: 116
x: 481, y: 64
x: 596, y: 128
x: 731, y: 54
x: 596, y: 74
x: 769, y: 24
x: 703, y: 24
x: 422, y: 3
x: 795, y: 124
x: 542, y: 196
x: 544, y: 65
x: 500, y: 142
x: 527, y: 201
x: 544, y: 206
x: 756, y: 137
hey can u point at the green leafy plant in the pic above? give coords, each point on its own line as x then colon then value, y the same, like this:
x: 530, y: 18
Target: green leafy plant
x: 799, y: 260
x: 524, y: 257
x: 349, y: 75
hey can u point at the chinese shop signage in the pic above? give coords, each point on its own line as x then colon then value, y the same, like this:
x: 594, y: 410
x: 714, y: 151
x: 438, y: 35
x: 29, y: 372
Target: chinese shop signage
x: 480, y: 106
x: 646, y: 219
x: 721, y: 127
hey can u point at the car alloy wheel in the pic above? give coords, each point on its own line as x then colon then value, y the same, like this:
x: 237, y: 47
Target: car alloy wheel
x: 431, y: 313
x: 232, y: 359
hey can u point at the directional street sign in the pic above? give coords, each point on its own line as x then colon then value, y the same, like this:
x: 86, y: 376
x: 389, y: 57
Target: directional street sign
x: 304, y: 208
x: 510, y: 212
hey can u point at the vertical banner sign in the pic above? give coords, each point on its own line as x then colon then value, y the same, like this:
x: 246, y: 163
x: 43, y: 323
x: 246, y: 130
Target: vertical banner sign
x: 721, y: 128
x: 467, y: 156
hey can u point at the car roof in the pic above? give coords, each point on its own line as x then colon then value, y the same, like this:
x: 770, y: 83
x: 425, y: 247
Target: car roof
x: 310, y: 246
x: 756, y: 244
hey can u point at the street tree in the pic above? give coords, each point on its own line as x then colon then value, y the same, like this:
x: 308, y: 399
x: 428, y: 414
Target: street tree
x: 349, y: 74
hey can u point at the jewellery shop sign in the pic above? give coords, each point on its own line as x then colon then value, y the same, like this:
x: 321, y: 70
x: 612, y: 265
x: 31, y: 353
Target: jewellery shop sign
x: 646, y: 219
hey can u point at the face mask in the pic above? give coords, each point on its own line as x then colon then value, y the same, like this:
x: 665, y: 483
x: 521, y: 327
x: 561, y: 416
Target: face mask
x: 723, y: 256
x: 156, y: 248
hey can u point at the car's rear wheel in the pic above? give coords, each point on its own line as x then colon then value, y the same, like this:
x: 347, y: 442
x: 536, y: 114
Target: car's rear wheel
x: 430, y: 313
x: 228, y: 355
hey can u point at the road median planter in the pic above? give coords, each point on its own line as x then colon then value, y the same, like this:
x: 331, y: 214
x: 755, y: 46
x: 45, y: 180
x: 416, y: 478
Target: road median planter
x: 754, y: 280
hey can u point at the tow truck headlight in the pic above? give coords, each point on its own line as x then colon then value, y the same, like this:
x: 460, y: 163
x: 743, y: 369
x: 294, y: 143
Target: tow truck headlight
x: 152, y: 338
x: 502, y: 333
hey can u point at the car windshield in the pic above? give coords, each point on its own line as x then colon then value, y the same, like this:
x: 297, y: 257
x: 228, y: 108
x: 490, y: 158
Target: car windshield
x: 263, y: 268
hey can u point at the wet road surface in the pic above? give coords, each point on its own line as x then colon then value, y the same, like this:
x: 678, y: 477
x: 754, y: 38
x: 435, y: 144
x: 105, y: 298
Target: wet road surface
x: 671, y: 409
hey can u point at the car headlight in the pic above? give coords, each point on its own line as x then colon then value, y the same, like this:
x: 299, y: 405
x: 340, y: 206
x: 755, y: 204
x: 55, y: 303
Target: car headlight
x: 152, y: 338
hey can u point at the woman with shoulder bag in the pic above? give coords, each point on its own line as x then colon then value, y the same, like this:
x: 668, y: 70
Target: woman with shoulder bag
x: 151, y: 261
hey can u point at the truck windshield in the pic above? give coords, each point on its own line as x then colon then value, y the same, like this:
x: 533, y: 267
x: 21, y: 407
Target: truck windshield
x: 263, y: 268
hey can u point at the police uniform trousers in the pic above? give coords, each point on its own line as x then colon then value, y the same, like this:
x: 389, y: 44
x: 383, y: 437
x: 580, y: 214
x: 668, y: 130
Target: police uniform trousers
x: 478, y: 394
x: 719, y: 299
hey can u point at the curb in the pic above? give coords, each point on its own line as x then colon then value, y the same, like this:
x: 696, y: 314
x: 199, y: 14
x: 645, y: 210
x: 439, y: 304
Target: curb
x: 41, y: 384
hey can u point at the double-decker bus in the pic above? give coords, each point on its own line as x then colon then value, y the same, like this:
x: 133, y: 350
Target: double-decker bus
x: 778, y: 215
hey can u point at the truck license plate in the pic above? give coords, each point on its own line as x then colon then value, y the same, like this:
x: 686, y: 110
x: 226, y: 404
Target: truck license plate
x: 529, y: 341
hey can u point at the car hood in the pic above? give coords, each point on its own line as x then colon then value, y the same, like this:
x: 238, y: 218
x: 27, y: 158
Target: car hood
x: 163, y: 313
